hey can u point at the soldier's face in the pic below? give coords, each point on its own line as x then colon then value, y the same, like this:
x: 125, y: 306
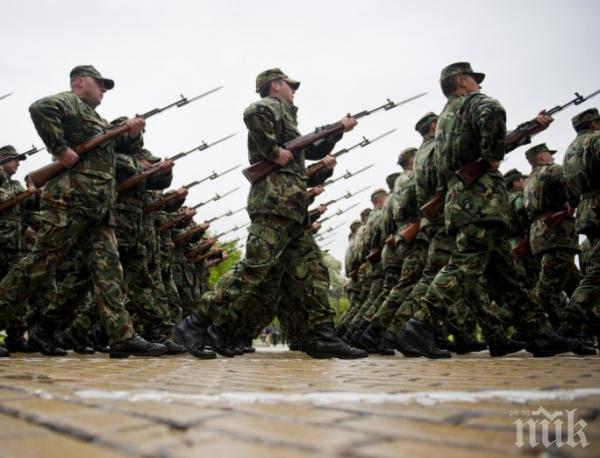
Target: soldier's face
x: 11, y: 167
x: 285, y: 91
x: 92, y: 90
x: 470, y: 84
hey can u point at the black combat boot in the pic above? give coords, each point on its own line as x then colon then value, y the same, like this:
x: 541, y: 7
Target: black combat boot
x: 341, y: 330
x: 324, y: 343
x: 4, y: 352
x: 471, y: 345
x: 370, y: 340
x: 15, y: 341
x: 502, y: 348
x: 219, y: 341
x: 586, y: 345
x: 296, y: 346
x: 551, y: 344
x: 77, y: 342
x: 136, y: 346
x: 158, y: 334
x: 191, y: 333
x: 419, y: 336
x: 41, y: 338
x: 390, y: 340
x: 248, y: 348
x: 98, y: 339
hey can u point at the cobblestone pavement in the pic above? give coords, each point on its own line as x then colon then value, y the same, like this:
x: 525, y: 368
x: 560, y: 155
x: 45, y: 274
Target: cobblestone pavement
x: 283, y: 404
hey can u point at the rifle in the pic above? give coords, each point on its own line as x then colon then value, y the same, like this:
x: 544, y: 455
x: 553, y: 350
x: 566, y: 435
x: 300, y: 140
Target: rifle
x: 471, y: 172
x: 320, y: 238
x: 13, y: 202
x: 551, y: 220
x: 338, y: 213
x: 5, y: 95
x: 40, y: 176
x: 216, y: 197
x: 214, y: 175
x: 209, y: 254
x: 314, y: 168
x: 313, y: 212
x: 262, y: 169
x: 202, y: 227
x: 22, y: 156
x: 202, y: 247
x: 180, y: 193
x: 345, y: 176
x: 407, y: 234
x: 161, y: 166
x: 333, y: 228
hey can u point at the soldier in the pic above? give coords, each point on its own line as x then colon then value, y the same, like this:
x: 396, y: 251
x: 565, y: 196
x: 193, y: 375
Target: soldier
x: 351, y: 288
x: 554, y: 246
x: 582, y: 169
x: 472, y: 126
x: 278, y: 211
x: 78, y: 208
x: 13, y: 224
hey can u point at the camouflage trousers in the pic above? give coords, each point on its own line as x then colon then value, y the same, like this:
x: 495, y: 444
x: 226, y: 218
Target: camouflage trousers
x: 460, y: 320
x: 415, y: 256
x: 483, y: 250
x: 59, y: 233
x: 247, y: 296
x: 558, y: 275
x: 354, y: 299
x: 184, y: 276
x: 142, y: 291
x: 583, y: 308
x: 8, y: 259
x: 377, y: 278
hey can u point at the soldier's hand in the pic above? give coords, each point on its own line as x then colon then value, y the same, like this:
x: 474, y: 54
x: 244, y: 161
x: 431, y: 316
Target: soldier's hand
x: 284, y: 157
x: 348, y: 122
x: 322, y: 208
x: 167, y: 164
x: 494, y: 165
x: 136, y: 126
x: 190, y: 212
x: 69, y: 158
x: 315, y: 227
x: 182, y: 192
x: 544, y: 120
x: 329, y: 162
x: 318, y: 190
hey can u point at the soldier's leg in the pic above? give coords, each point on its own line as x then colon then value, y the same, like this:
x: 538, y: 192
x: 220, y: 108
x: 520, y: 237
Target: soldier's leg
x: 557, y: 274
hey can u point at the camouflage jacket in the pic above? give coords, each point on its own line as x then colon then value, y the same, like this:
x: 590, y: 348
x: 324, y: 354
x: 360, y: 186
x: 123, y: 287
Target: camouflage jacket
x: 469, y: 128
x: 356, y: 258
x: 373, y: 236
x: 389, y: 226
x: 65, y: 120
x: 426, y: 179
x: 15, y: 220
x: 272, y: 122
x: 582, y: 169
x: 546, y: 192
x: 519, y: 222
x: 130, y: 204
x: 348, y: 254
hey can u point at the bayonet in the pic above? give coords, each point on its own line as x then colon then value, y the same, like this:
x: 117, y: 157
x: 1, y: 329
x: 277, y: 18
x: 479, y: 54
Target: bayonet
x: 201, y: 147
x: 338, y: 213
x: 216, y: 197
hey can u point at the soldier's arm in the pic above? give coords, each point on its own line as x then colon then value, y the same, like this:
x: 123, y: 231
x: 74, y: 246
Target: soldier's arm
x: 160, y: 180
x: 48, y: 115
x: 491, y: 121
x: 322, y: 148
x: 319, y: 177
x: 260, y: 123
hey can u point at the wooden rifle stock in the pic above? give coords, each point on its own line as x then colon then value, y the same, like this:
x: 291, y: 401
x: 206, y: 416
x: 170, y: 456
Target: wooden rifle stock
x: 260, y: 170
x: 13, y: 202
x: 521, y: 248
x: 410, y: 232
x: 201, y: 248
x: 216, y: 261
x: 175, y: 222
x: 41, y: 176
x: 391, y: 241
x: 200, y: 228
x: 433, y: 207
x: 471, y: 172
x: 209, y: 254
x: 374, y: 256
x: 134, y: 180
x: 164, y: 200
x: 353, y: 275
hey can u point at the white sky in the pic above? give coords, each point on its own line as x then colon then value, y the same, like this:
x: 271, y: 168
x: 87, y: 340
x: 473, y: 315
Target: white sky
x: 350, y: 55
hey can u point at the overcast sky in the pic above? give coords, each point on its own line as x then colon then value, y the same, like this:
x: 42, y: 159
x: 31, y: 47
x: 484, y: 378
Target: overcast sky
x: 349, y: 55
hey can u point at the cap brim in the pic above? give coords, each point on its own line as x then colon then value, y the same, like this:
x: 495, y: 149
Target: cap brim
x: 479, y: 77
x: 293, y: 83
x: 108, y: 83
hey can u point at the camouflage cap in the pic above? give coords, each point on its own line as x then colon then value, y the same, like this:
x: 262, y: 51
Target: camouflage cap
x: 425, y: 120
x: 591, y: 114
x: 513, y: 174
x: 377, y: 194
x: 406, y: 154
x: 274, y: 74
x: 354, y: 225
x: 366, y: 212
x: 8, y: 151
x: 146, y: 155
x: 89, y: 70
x: 537, y: 149
x: 391, y: 179
x: 458, y: 68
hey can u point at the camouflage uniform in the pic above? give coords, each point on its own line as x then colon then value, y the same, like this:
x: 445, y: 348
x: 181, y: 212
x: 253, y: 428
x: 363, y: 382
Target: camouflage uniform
x: 77, y: 208
x: 473, y: 127
x: 554, y: 247
x: 582, y: 170
x: 277, y: 206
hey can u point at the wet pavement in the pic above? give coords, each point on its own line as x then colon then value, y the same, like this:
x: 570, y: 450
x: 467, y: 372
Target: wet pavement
x: 277, y: 403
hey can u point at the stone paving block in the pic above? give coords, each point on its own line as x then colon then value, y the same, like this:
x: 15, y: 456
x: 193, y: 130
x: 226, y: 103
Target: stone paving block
x: 414, y: 449
x: 11, y: 427
x: 235, y: 448
x: 152, y: 440
x: 297, y: 412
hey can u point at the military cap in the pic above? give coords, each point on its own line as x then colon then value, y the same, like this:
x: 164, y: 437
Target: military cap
x: 406, y: 154
x: 458, y: 68
x: 537, y: 149
x: 355, y: 225
x: 591, y: 114
x: 274, y: 74
x: 147, y: 156
x: 366, y: 212
x: 391, y: 179
x: 425, y: 120
x: 512, y: 175
x: 89, y: 70
x: 378, y: 193
x: 8, y: 151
